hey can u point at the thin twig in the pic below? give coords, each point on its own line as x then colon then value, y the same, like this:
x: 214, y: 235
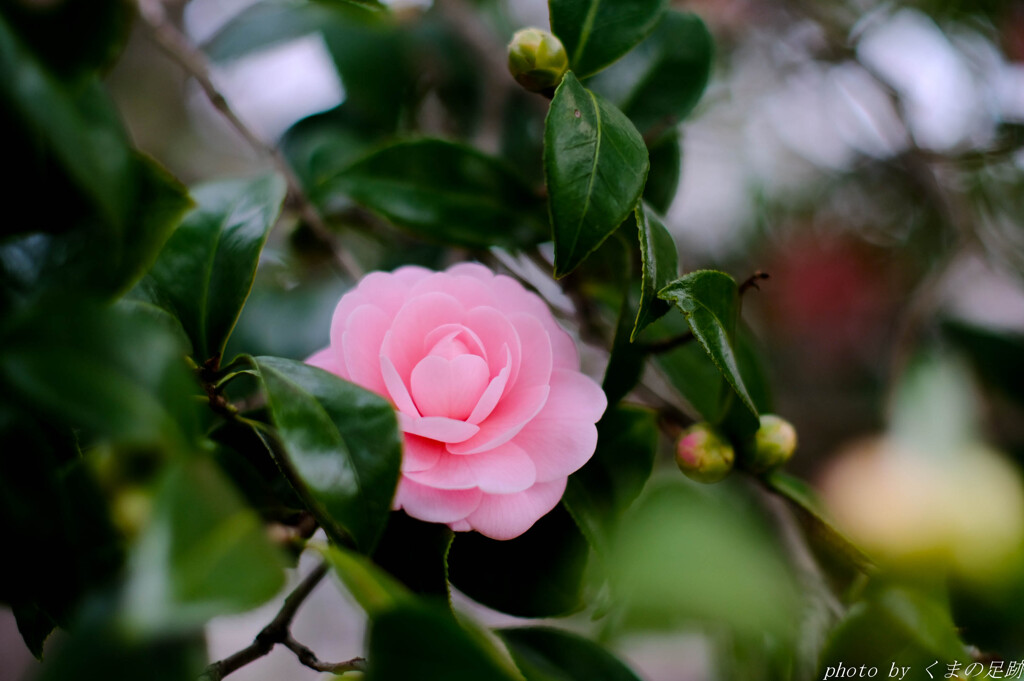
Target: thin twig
x: 177, y: 46
x: 309, y: 659
x: 751, y: 281
x: 278, y: 631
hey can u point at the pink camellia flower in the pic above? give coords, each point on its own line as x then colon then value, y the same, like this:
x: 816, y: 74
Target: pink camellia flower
x: 487, y: 386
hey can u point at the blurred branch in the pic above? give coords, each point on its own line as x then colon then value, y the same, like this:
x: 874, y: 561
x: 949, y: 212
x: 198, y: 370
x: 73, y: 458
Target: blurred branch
x: 177, y: 46
x: 279, y: 631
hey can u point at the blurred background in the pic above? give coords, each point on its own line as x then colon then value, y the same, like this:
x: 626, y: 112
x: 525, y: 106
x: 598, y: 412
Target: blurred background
x: 868, y: 155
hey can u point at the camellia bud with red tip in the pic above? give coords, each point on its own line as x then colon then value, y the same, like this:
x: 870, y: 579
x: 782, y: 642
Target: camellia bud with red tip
x: 537, y: 59
x: 773, y: 445
x: 703, y: 454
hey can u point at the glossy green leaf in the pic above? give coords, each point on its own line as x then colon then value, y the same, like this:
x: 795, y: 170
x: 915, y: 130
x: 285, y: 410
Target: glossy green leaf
x: 709, y: 300
x: 445, y: 192
x: 414, y: 641
x: 603, y: 489
x: 538, y: 574
x: 660, y: 267
x: 204, y: 553
x: 340, y: 447
x: 597, y: 32
x: 547, y: 654
x: 658, y: 84
x: 416, y: 554
x: 374, y: 589
x: 595, y: 166
x: 204, y: 273
x: 666, y: 168
x: 103, y: 369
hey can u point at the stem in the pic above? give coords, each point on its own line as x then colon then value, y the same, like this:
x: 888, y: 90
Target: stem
x: 667, y: 344
x: 279, y: 631
x: 176, y: 45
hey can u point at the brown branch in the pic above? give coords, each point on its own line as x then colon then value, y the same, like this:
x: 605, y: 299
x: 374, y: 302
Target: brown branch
x: 177, y: 46
x: 309, y: 659
x: 279, y: 631
x: 751, y: 281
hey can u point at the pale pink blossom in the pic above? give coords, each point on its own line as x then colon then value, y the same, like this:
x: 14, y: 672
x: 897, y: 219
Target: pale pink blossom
x: 487, y: 387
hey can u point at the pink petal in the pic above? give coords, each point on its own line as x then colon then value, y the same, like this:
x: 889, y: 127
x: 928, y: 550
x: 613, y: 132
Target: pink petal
x: 437, y: 428
x: 515, y: 298
x: 496, y: 332
x: 466, y: 289
x: 413, y: 323
x: 506, y: 516
x: 493, y: 392
x: 557, y: 447
x: 574, y: 396
x: 436, y: 505
x: 360, y: 345
x: 472, y: 269
x: 507, y: 419
x: 460, y: 526
x: 419, y: 453
x: 328, y: 360
x: 447, y: 332
x: 396, y: 389
x: 450, y: 472
x: 535, y: 369
x: 442, y: 387
x: 501, y: 470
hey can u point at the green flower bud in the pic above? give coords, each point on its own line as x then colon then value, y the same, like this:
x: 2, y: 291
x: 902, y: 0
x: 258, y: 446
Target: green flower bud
x: 704, y: 455
x: 774, y: 444
x: 537, y: 59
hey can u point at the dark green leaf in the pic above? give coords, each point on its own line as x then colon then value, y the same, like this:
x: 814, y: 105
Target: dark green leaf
x: 997, y: 356
x: 34, y: 625
x: 102, y: 649
x: 537, y: 574
x: 819, y: 527
x: 661, y: 266
x: 414, y: 641
x: 666, y: 168
x: 659, y: 83
x: 595, y: 165
x: 546, y: 654
x: 205, y: 553
x: 687, y: 553
x: 341, y: 447
x: 375, y: 590
x: 603, y: 489
x: 72, y: 38
x: 445, y: 192
x: 689, y: 369
x: 709, y: 300
x: 627, y: 360
x: 898, y: 625
x: 204, y: 273
x: 54, y: 514
x: 597, y: 32
x: 370, y: 52
x: 117, y: 207
x: 76, y: 124
x: 416, y: 553
x: 104, y: 369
